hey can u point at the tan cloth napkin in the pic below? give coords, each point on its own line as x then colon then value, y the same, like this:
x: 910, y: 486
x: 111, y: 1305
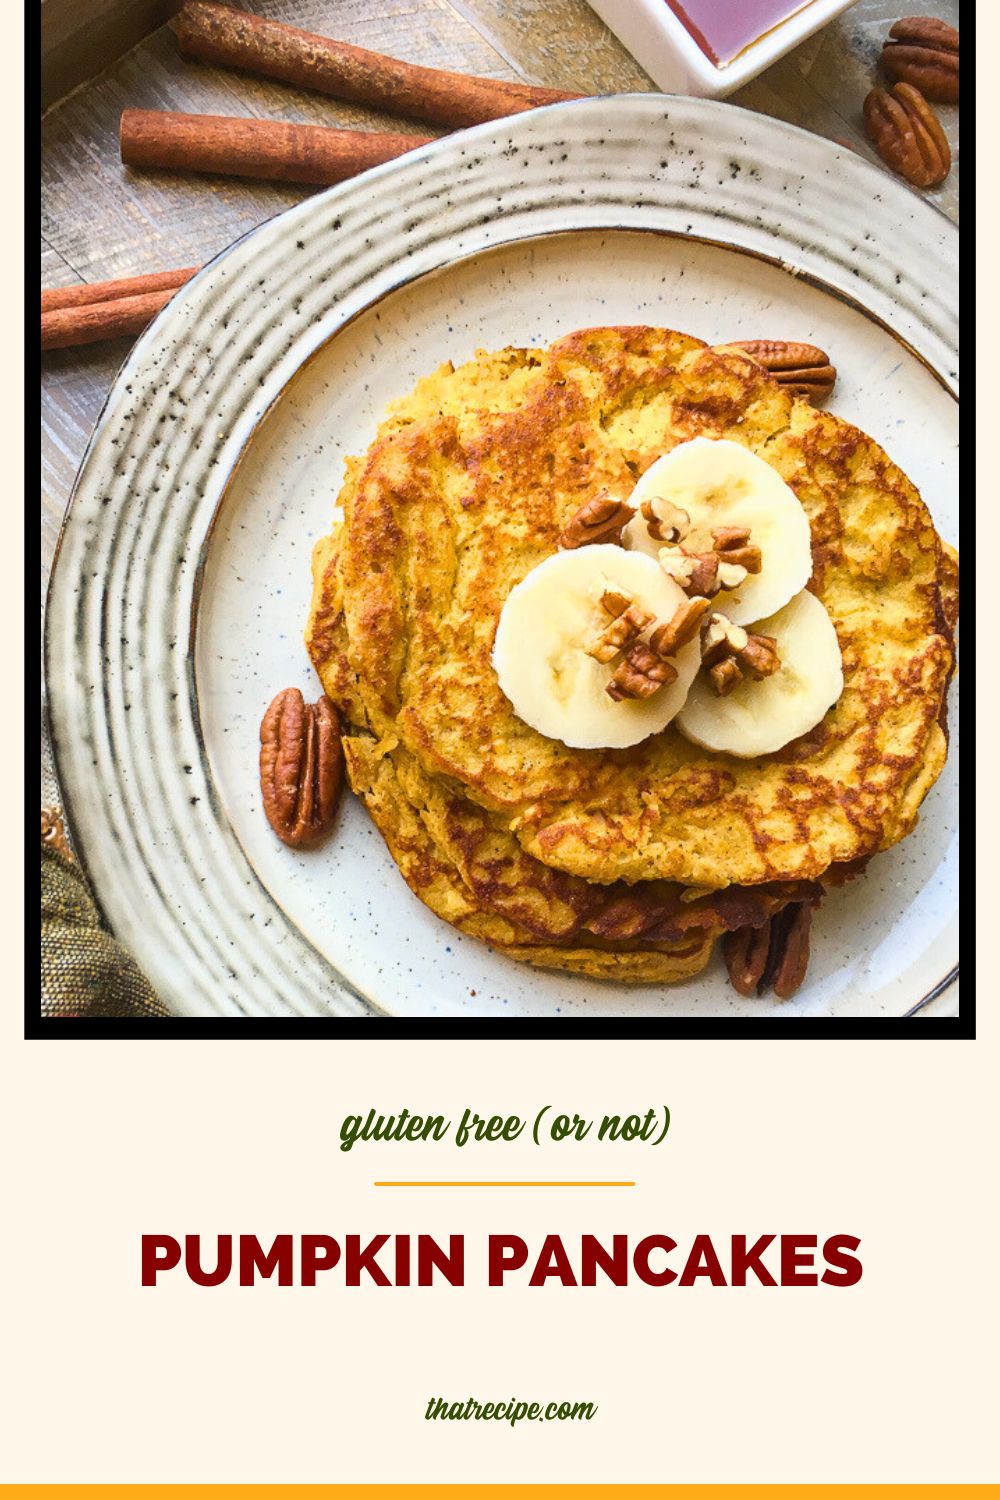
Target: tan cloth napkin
x: 86, y: 974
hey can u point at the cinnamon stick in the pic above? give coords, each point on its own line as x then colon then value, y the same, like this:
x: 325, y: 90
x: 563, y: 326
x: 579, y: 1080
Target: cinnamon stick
x: 235, y: 39
x: 272, y: 149
x: 108, y: 291
x: 114, y: 318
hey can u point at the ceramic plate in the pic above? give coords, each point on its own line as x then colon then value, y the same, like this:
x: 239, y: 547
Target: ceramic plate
x: 182, y: 582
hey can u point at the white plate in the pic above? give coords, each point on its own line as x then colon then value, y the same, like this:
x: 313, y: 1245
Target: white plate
x: 356, y: 293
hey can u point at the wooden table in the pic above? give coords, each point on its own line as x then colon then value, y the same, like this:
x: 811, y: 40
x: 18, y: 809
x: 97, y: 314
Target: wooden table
x: 100, y: 220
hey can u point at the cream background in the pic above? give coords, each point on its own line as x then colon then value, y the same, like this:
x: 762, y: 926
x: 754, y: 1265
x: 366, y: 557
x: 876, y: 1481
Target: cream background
x: 103, y: 1380
x: 892, y: 1380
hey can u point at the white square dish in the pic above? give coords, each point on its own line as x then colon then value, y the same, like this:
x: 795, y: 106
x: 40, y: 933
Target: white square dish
x: 658, y: 39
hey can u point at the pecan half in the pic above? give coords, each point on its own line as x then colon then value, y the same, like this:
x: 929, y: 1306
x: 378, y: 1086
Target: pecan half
x: 640, y: 675
x: 301, y: 767
x: 745, y: 954
x: 803, y: 368
x: 908, y: 135
x: 924, y: 51
x: 788, y: 954
x: 599, y: 520
x: 774, y: 955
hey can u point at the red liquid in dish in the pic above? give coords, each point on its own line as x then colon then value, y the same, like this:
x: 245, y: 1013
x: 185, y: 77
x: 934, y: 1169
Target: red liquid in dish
x: 722, y: 28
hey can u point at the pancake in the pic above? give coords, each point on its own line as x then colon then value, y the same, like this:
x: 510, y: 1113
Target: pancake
x: 471, y: 871
x: 467, y: 488
x: 513, y: 918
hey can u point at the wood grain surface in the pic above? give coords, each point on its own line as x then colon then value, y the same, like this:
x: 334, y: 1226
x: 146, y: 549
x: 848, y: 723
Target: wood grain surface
x: 101, y: 220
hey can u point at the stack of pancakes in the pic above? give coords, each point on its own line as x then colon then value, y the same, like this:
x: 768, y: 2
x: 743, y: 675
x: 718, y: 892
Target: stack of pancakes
x: 623, y: 864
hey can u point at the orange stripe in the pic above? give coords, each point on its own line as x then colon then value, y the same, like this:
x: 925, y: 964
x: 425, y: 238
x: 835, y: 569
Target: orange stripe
x: 498, y: 1183
x: 498, y: 1491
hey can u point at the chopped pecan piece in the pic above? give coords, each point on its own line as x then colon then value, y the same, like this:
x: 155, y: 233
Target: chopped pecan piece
x: 724, y: 676
x: 722, y: 639
x: 924, y: 51
x: 759, y: 657
x: 732, y: 543
x: 678, y: 565
x: 697, y: 573
x: 599, y: 520
x: 730, y: 574
x: 620, y: 634
x: 700, y: 573
x: 614, y: 602
x: 668, y: 523
x: 731, y: 653
x: 640, y: 675
x: 704, y: 581
x: 683, y: 626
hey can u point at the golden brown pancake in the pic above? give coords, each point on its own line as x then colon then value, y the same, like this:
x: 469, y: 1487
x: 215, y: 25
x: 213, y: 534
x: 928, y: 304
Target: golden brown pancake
x: 523, y: 841
x: 470, y: 870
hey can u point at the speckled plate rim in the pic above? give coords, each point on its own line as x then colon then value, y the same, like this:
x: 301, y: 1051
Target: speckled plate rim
x: 170, y: 874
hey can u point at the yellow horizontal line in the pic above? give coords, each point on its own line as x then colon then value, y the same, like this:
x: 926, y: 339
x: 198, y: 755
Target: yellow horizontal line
x: 495, y: 1183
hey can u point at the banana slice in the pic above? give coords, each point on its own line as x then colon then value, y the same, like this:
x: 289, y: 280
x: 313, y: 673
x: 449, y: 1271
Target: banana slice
x: 540, y: 653
x: 719, y: 483
x: 757, y: 718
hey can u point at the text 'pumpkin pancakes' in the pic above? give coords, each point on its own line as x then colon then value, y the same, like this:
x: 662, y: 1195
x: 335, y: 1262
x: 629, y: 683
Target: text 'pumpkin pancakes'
x: 546, y: 554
